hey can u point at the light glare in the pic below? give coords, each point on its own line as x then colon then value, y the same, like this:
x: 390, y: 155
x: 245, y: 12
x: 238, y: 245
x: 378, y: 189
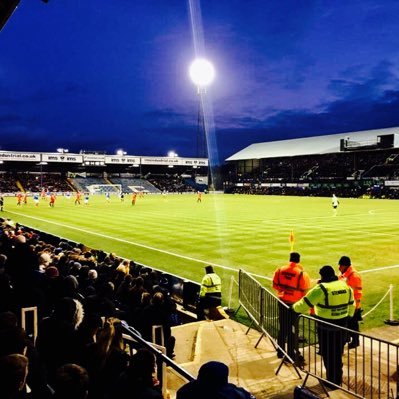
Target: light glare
x: 202, y: 72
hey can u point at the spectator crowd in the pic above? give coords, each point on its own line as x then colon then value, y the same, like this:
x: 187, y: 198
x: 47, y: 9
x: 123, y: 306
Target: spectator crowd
x: 81, y: 295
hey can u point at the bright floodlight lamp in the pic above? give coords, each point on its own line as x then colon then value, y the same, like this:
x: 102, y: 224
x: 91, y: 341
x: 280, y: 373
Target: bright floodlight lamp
x: 172, y: 154
x: 202, y: 72
x: 120, y: 152
x: 62, y: 150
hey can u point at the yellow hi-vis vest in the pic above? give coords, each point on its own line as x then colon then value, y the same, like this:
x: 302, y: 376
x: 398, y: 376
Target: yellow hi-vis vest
x: 210, y: 284
x: 331, y: 301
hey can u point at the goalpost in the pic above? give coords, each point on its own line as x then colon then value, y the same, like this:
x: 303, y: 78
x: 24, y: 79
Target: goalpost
x: 105, y: 188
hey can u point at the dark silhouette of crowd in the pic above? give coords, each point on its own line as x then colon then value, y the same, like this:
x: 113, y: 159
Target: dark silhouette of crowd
x: 172, y: 183
x: 7, y: 183
x: 35, y: 182
x: 351, y: 174
x: 81, y: 295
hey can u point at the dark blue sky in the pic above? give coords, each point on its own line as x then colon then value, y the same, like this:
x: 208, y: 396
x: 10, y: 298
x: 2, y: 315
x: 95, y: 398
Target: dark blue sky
x: 103, y: 75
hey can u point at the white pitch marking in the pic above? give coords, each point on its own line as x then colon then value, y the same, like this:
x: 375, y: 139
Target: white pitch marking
x: 379, y: 269
x: 132, y: 243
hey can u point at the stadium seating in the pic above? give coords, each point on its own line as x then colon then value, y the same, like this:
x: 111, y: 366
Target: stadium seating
x: 56, y: 273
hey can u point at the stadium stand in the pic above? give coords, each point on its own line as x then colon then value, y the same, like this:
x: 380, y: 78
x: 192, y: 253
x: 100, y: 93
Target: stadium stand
x: 351, y: 165
x: 34, y: 182
x: 171, y: 183
x: 130, y: 185
x: 73, y: 287
x: 7, y: 183
x: 83, y: 183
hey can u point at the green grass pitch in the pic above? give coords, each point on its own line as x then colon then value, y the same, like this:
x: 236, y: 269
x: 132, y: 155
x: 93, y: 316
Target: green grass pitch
x: 176, y: 234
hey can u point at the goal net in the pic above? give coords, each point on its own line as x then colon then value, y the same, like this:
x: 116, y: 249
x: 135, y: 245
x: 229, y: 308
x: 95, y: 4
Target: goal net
x: 105, y: 188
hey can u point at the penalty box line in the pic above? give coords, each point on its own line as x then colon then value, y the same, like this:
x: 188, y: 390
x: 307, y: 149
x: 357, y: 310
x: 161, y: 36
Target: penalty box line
x: 131, y: 243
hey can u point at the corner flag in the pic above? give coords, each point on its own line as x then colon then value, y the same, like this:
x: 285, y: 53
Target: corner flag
x: 291, y: 240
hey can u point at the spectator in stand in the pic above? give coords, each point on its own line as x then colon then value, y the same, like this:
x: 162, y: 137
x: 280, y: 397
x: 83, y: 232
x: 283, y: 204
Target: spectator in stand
x: 7, y: 300
x: 13, y: 339
x: 291, y: 283
x: 138, y: 380
x: 105, y: 360
x: 122, y: 293
x: 87, y: 332
x: 157, y: 315
x: 71, y: 382
x: 137, y: 315
x: 134, y: 296
x: 212, y: 382
x: 101, y: 303
x: 13, y: 372
x: 56, y: 341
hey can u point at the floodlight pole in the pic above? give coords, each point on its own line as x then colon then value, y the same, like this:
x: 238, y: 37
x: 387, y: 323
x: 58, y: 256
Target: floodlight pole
x: 201, y: 135
x: 202, y: 74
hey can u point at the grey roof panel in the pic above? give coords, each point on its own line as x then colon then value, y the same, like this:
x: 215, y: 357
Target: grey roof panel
x: 307, y: 146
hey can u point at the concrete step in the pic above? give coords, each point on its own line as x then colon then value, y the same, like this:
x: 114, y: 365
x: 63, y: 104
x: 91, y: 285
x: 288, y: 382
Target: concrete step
x: 226, y: 341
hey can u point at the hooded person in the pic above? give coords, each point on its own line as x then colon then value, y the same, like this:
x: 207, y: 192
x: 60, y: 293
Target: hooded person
x: 212, y: 383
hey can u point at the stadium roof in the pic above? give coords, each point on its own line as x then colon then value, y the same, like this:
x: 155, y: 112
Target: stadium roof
x: 308, y: 145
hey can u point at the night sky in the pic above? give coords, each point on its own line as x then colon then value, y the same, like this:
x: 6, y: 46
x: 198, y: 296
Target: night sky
x: 104, y: 75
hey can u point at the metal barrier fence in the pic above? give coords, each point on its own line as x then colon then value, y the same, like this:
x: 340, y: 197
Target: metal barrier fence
x: 263, y: 308
x: 368, y: 371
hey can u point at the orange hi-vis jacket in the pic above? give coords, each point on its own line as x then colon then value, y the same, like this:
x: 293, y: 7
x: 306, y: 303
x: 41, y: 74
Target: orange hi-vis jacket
x: 291, y: 282
x: 354, y: 280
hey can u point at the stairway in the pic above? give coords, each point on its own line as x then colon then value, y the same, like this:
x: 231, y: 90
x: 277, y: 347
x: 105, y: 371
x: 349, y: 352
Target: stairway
x: 226, y: 341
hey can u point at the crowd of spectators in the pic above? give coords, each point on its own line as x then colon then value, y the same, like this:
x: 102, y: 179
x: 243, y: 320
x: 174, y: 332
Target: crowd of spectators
x: 318, y: 167
x: 7, y: 183
x: 349, y: 191
x: 81, y: 295
x: 35, y: 182
x: 171, y: 183
x: 347, y: 174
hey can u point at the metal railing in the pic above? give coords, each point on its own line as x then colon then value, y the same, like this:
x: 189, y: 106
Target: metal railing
x: 133, y: 338
x: 369, y: 370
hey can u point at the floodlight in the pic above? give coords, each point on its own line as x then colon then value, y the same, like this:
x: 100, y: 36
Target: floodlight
x: 202, y: 72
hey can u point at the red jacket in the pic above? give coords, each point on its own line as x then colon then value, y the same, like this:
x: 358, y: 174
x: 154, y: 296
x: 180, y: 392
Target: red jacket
x: 291, y: 282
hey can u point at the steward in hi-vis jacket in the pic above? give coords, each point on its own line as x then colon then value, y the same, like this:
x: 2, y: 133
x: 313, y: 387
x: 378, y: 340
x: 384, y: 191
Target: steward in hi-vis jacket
x: 332, y: 301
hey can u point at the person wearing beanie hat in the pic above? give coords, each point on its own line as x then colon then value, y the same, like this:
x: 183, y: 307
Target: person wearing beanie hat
x: 212, y: 381
x: 291, y: 283
x: 332, y: 301
x: 51, y: 272
x: 354, y: 280
x: 210, y: 293
x: 327, y: 274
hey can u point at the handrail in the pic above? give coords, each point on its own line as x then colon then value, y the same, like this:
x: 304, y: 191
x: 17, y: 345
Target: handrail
x: 128, y: 330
